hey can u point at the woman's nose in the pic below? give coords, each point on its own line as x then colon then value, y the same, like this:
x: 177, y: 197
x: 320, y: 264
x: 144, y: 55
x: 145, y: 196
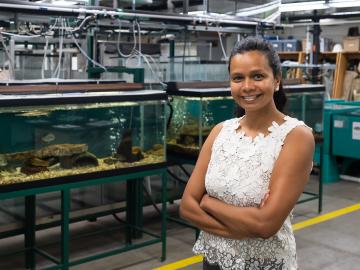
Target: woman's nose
x: 248, y: 84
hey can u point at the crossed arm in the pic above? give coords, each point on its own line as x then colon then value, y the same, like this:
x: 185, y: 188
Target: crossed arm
x: 289, y: 176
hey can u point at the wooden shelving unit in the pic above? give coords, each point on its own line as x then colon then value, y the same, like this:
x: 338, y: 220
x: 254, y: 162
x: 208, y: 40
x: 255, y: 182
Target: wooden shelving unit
x: 294, y: 56
x: 341, y: 60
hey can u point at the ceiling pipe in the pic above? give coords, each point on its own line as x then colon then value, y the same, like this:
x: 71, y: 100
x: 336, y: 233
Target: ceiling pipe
x: 55, y: 10
x: 294, y: 18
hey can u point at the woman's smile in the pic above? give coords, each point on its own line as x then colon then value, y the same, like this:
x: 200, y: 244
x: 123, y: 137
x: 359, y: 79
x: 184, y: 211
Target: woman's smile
x: 251, y: 98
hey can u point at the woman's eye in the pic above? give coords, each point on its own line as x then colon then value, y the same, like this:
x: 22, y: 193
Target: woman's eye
x: 237, y: 78
x: 258, y: 77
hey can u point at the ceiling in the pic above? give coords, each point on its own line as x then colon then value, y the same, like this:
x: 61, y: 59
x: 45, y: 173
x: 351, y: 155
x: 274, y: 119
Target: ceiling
x: 292, y: 11
x: 215, y: 6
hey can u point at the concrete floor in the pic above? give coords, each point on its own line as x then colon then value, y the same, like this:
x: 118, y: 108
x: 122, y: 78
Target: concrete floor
x: 330, y: 245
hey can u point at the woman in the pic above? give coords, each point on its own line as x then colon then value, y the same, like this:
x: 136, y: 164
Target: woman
x: 250, y: 171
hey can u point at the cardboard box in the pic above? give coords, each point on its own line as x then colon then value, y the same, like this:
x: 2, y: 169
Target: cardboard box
x: 351, y: 44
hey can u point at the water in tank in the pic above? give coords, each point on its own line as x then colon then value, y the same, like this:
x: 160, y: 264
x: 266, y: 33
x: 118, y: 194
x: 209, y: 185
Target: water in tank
x: 194, y: 114
x: 72, y: 135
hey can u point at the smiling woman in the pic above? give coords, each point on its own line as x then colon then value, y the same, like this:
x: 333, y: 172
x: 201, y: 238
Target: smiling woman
x: 273, y: 61
x: 252, y: 81
x: 240, y: 194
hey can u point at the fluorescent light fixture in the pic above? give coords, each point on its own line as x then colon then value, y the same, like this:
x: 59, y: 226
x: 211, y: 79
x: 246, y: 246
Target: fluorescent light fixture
x: 344, y: 3
x: 63, y: 2
x: 258, y: 9
x: 347, y: 13
x: 128, y: 31
x: 139, y: 1
x: 313, y: 5
x: 210, y: 15
x: 196, y: 12
x: 337, y: 22
x: 303, y: 6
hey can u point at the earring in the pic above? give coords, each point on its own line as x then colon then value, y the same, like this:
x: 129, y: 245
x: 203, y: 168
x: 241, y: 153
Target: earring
x: 277, y: 88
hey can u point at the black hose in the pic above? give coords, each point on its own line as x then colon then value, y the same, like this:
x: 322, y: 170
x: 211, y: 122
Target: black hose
x: 176, y: 177
x: 170, y: 115
x: 151, y: 199
x: 184, y: 170
x: 118, y: 219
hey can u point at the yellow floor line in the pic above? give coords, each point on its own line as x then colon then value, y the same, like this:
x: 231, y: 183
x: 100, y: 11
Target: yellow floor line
x: 325, y: 217
x: 181, y: 264
x: 298, y: 226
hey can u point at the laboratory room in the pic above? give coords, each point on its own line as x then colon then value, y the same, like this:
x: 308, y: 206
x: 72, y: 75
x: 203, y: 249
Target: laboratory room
x: 179, y: 134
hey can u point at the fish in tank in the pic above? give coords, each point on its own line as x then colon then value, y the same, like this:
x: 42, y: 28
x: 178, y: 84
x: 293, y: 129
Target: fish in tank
x: 192, y: 119
x: 55, y: 141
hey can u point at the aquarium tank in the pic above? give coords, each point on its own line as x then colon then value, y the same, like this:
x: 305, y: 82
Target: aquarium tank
x: 73, y: 136
x: 306, y: 102
x: 193, y: 113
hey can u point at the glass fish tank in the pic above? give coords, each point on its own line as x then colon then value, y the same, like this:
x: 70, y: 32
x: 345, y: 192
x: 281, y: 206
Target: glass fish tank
x: 73, y: 136
x: 306, y: 102
x: 193, y: 113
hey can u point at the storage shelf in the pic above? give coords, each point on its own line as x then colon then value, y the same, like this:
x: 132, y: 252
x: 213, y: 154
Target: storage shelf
x: 341, y: 60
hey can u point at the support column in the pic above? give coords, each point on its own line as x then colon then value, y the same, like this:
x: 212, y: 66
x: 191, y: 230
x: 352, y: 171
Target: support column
x: 65, y: 217
x: 185, y: 6
x: 316, y: 47
x: 29, y: 236
x: 172, y: 59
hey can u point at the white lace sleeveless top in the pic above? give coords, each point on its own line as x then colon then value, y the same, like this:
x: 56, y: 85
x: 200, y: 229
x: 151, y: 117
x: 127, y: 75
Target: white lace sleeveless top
x: 239, y: 173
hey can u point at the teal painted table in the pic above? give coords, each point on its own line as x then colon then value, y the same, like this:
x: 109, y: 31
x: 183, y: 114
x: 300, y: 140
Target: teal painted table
x: 65, y: 185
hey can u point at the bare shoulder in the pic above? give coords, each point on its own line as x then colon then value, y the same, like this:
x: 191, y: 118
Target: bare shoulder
x: 217, y: 128
x: 301, y: 132
x: 300, y: 137
x: 214, y: 133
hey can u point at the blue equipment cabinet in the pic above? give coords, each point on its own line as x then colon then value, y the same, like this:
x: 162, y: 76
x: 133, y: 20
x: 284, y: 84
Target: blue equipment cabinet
x: 341, y: 131
x: 346, y: 134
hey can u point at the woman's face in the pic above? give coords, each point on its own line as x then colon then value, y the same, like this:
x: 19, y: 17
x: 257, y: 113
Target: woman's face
x: 252, y: 81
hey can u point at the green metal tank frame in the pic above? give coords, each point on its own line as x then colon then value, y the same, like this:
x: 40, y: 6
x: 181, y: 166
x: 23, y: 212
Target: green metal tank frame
x: 139, y: 77
x: 64, y: 262
x: 329, y: 166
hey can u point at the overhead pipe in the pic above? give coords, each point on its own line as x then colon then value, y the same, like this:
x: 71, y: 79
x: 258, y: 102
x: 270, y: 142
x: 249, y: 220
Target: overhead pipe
x: 23, y: 3
x: 294, y: 18
x: 42, y: 9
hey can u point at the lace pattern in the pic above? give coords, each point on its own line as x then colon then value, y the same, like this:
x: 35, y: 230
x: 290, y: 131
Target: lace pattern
x: 245, y: 184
